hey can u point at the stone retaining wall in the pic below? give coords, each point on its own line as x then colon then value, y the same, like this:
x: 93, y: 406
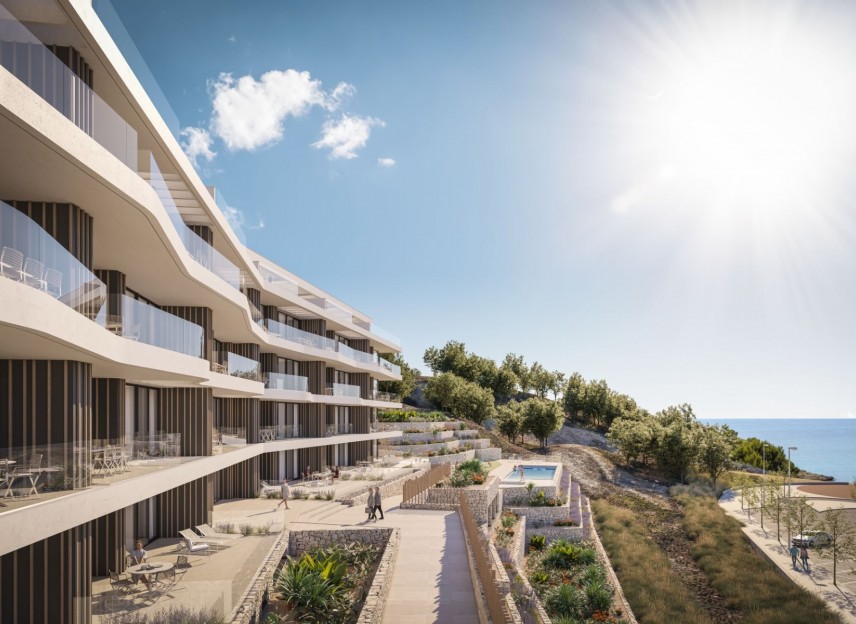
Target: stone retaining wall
x: 517, y: 495
x: 421, y: 449
x: 518, y: 546
x: 427, y: 436
x: 552, y: 533
x: 452, y: 459
x: 301, y: 541
x: 256, y: 596
x: 388, y: 487
x: 372, y: 611
x: 620, y: 599
x: 485, y: 500
x: 488, y: 454
x: 542, y: 515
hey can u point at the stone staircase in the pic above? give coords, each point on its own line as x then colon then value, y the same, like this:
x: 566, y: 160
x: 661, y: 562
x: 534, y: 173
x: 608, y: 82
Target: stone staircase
x: 322, y: 510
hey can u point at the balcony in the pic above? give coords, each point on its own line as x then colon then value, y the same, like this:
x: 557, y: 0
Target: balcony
x: 199, y: 249
x: 145, y: 323
x: 389, y: 397
x: 228, y: 363
x: 343, y: 390
x: 357, y: 356
x: 280, y: 381
x: 395, y: 369
x: 298, y: 336
x: 28, y: 254
x: 36, y: 65
x: 340, y: 429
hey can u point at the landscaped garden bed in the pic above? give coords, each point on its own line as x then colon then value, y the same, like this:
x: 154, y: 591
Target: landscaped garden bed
x: 324, y: 584
x: 570, y: 582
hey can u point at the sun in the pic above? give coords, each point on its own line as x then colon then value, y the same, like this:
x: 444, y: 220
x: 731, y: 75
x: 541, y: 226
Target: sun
x: 752, y: 113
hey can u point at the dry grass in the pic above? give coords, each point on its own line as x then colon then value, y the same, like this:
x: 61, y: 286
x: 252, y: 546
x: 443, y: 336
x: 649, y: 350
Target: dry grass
x: 745, y: 579
x: 654, y: 591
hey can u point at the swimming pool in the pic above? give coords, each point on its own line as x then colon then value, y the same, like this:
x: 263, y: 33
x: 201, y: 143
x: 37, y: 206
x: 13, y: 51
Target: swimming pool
x: 532, y: 473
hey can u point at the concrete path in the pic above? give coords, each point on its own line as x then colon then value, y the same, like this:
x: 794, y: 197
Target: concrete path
x: 431, y: 581
x: 817, y: 579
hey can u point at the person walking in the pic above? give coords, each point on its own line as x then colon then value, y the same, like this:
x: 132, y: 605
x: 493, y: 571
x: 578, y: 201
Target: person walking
x: 377, y: 503
x: 286, y: 492
x: 794, y: 552
x: 522, y: 473
x: 804, y: 557
x: 370, y: 506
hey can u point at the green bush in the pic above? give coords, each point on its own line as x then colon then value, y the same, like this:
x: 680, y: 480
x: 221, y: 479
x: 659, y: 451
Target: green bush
x: 397, y: 415
x: 173, y: 615
x: 564, y: 555
x: 537, y: 542
x: 598, y: 597
x: 564, y: 601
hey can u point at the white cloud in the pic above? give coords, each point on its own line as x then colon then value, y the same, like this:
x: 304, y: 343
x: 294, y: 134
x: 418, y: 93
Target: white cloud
x: 249, y: 113
x: 343, y: 137
x: 386, y: 162
x: 196, y: 143
x: 231, y: 38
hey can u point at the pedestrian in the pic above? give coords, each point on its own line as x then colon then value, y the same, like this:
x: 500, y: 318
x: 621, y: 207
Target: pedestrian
x: 308, y: 472
x: 804, y: 557
x: 794, y: 552
x: 520, y: 469
x: 377, y: 503
x: 286, y: 491
x: 370, y: 506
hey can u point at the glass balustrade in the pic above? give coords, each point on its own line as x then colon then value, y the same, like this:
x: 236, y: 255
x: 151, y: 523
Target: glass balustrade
x: 145, y: 323
x: 292, y: 334
x: 229, y: 436
x: 281, y: 381
x: 385, y: 396
x: 28, y: 254
x: 277, y: 283
x: 155, y: 446
x: 38, y: 67
x: 280, y: 432
x: 238, y: 366
x: 385, y: 335
x: 358, y: 356
x: 343, y: 390
x: 199, y: 249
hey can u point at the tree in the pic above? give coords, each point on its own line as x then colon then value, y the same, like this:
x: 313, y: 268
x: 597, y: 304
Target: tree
x: 506, y: 382
x: 802, y: 516
x: 751, y: 451
x: 842, y: 538
x: 714, y: 448
x: 471, y: 401
x: 573, y: 397
x: 557, y: 383
x: 441, y: 388
x: 678, y: 443
x: 595, y: 402
x: 409, y: 377
x: 542, y: 418
x: 509, y: 420
x: 449, y: 359
x: 515, y: 364
x: 540, y: 379
x: 633, y: 437
x: 775, y: 501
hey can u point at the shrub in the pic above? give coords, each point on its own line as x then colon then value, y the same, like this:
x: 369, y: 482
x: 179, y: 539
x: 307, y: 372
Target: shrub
x: 537, y: 542
x: 564, y: 555
x: 509, y: 520
x: 173, y: 615
x: 299, y: 494
x: 564, y: 601
x: 345, y: 476
x: 328, y: 494
x: 264, y: 529
x: 225, y: 527
x: 398, y: 415
x: 564, y: 523
x: 598, y: 596
x: 247, y: 529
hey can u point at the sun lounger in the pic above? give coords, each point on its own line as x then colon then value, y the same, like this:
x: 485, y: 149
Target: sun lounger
x: 215, y: 544
x: 209, y: 533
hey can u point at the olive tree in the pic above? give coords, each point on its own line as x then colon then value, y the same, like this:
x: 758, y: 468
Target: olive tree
x: 542, y: 418
x: 509, y: 420
x: 842, y: 538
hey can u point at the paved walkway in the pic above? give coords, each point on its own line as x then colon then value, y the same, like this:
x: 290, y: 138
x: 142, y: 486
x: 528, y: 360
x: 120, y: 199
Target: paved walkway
x: 818, y: 579
x: 431, y: 580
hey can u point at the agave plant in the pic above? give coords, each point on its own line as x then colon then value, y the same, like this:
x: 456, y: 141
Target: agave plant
x: 564, y: 601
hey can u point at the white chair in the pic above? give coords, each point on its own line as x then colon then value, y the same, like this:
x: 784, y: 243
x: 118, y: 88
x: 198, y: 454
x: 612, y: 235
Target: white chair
x: 197, y: 548
x: 215, y: 544
x: 34, y: 274
x: 11, y: 263
x: 53, y: 283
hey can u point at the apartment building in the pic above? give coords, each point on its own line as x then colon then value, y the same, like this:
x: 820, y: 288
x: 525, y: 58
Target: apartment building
x: 150, y: 364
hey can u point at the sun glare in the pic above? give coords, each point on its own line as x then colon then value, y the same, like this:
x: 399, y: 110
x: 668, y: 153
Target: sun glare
x: 753, y: 115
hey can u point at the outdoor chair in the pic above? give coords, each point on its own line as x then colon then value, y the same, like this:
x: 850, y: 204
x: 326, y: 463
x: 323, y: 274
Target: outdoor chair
x: 208, y: 533
x: 120, y: 583
x: 12, y: 263
x: 53, y: 283
x: 197, y: 548
x: 173, y: 578
x: 213, y: 542
x: 34, y: 274
x: 265, y: 488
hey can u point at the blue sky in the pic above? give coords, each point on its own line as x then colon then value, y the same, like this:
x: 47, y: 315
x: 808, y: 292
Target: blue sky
x: 656, y: 195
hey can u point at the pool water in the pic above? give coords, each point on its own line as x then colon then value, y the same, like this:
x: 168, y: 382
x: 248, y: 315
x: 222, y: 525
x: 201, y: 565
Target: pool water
x: 533, y: 473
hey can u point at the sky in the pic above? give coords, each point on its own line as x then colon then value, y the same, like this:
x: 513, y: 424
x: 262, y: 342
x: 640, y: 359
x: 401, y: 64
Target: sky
x: 654, y: 194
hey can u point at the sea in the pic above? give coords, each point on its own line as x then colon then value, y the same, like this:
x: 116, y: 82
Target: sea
x: 825, y: 446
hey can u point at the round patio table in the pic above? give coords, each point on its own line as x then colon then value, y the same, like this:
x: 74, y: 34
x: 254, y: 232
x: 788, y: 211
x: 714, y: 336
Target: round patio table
x: 149, y: 568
